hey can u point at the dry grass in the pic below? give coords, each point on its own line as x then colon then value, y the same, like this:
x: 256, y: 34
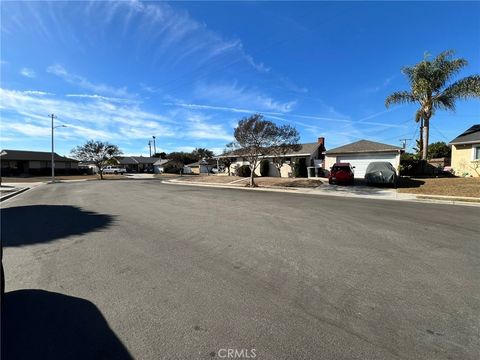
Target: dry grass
x: 469, y: 187
x: 287, y: 182
x: 260, y: 181
x: 213, y: 179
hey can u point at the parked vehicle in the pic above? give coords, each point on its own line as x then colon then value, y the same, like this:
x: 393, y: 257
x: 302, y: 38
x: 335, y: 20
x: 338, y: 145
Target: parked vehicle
x: 341, y: 173
x: 114, y: 170
x: 381, y: 173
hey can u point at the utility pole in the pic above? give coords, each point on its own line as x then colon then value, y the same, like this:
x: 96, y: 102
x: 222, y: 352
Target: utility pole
x: 404, y: 143
x: 52, y: 164
x: 150, y: 147
x: 53, y: 147
x: 154, y: 146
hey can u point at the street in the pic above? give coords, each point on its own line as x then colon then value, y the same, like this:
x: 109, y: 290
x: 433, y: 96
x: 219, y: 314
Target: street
x: 145, y: 270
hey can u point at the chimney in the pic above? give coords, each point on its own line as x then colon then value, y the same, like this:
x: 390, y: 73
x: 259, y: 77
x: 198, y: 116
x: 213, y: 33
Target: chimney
x: 321, y: 141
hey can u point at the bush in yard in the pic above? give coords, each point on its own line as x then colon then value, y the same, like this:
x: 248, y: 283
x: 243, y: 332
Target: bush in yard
x: 264, y: 167
x: 244, y: 171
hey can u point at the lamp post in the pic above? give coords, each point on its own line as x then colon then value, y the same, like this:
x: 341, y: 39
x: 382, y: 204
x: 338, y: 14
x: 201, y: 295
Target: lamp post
x: 154, y: 146
x: 53, y: 146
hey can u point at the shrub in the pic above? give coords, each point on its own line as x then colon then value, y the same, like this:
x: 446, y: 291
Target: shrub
x: 244, y: 171
x: 264, y: 167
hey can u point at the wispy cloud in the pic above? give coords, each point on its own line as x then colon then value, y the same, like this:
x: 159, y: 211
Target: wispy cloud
x: 170, y: 27
x: 99, y: 97
x: 82, y: 82
x: 91, y: 116
x: 27, y: 72
x: 36, y: 92
x: 376, y: 88
x: 242, y: 97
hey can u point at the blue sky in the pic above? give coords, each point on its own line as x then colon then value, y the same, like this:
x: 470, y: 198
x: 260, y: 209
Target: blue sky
x: 186, y: 72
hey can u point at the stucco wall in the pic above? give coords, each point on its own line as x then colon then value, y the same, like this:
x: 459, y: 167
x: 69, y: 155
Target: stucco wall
x: 462, y: 156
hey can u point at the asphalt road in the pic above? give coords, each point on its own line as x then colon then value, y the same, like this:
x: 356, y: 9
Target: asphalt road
x: 120, y: 269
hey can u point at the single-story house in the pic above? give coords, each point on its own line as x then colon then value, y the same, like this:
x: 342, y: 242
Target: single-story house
x: 162, y: 165
x: 307, y: 155
x: 136, y: 163
x: 203, y: 166
x: 24, y: 162
x: 361, y: 153
x: 466, y: 152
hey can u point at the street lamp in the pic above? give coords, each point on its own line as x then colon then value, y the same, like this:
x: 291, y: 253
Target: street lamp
x: 53, y: 147
x: 154, y: 146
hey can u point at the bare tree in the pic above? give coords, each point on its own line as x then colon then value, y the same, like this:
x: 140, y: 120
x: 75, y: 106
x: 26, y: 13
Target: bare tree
x: 286, y: 142
x: 257, y: 137
x: 98, y: 152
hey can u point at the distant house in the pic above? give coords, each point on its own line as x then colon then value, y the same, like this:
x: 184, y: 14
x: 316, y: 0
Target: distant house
x: 166, y: 165
x: 38, y: 163
x: 466, y: 152
x: 204, y: 166
x: 136, y: 163
x: 361, y: 153
x: 308, y: 155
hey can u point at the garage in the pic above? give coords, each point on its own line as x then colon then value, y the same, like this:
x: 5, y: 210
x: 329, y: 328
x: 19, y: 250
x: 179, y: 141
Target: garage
x: 361, y: 161
x: 361, y: 153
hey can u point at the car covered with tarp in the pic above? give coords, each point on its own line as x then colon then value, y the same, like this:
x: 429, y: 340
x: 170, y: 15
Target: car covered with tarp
x: 381, y: 173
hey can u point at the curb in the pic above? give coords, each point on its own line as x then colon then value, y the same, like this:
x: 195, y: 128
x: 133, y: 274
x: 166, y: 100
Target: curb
x: 411, y: 198
x: 15, y: 193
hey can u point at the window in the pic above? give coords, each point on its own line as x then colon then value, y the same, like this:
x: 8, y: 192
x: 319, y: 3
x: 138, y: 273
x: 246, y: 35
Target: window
x: 476, y: 153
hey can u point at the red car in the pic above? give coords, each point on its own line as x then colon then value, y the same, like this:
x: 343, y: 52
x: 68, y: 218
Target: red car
x: 341, y: 173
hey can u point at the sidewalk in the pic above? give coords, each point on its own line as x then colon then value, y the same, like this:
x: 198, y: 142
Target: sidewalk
x: 365, y: 192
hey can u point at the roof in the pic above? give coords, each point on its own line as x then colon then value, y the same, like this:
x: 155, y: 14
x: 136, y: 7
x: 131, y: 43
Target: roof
x: 122, y: 160
x: 363, y: 146
x: 25, y: 155
x: 161, y: 162
x: 472, y: 135
x: 133, y: 160
x: 305, y: 149
x: 144, y: 159
x: 209, y: 162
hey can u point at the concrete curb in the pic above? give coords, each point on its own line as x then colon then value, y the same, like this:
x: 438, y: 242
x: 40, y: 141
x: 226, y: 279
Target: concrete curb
x: 15, y: 193
x: 398, y: 197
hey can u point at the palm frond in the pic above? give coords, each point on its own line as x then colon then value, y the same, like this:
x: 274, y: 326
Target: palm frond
x: 400, y: 97
x: 444, y: 102
x: 467, y: 87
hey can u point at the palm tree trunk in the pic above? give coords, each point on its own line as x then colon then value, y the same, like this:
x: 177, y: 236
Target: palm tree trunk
x: 425, y: 138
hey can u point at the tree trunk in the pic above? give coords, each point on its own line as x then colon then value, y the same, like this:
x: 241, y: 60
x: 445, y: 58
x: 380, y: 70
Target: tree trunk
x: 252, y: 174
x: 101, y: 174
x: 425, y: 138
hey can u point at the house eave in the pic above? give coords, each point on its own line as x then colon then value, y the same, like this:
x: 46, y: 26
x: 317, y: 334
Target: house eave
x: 464, y: 142
x: 363, y: 152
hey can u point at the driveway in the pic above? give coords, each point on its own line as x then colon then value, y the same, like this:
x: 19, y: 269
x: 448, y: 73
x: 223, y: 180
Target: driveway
x: 155, y: 271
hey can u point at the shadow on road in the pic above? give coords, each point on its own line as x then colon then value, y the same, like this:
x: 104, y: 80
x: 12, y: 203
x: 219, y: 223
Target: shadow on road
x: 38, y: 324
x: 27, y: 225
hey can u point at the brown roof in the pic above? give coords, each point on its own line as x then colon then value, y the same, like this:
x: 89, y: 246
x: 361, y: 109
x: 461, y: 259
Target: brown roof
x: 363, y: 146
x: 25, y: 155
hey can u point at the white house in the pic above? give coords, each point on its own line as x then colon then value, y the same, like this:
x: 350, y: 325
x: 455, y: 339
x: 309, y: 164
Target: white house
x: 308, y: 155
x: 361, y: 153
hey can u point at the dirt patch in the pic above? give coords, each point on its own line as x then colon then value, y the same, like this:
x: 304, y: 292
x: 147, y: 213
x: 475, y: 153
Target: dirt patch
x: 469, y: 187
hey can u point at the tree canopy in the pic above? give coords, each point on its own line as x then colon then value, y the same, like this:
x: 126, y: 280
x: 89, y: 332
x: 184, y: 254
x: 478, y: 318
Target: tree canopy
x: 97, y: 152
x: 438, y: 149
x: 432, y: 88
x: 255, y: 137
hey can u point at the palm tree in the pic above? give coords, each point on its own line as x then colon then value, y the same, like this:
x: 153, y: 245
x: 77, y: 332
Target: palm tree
x: 432, y: 89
